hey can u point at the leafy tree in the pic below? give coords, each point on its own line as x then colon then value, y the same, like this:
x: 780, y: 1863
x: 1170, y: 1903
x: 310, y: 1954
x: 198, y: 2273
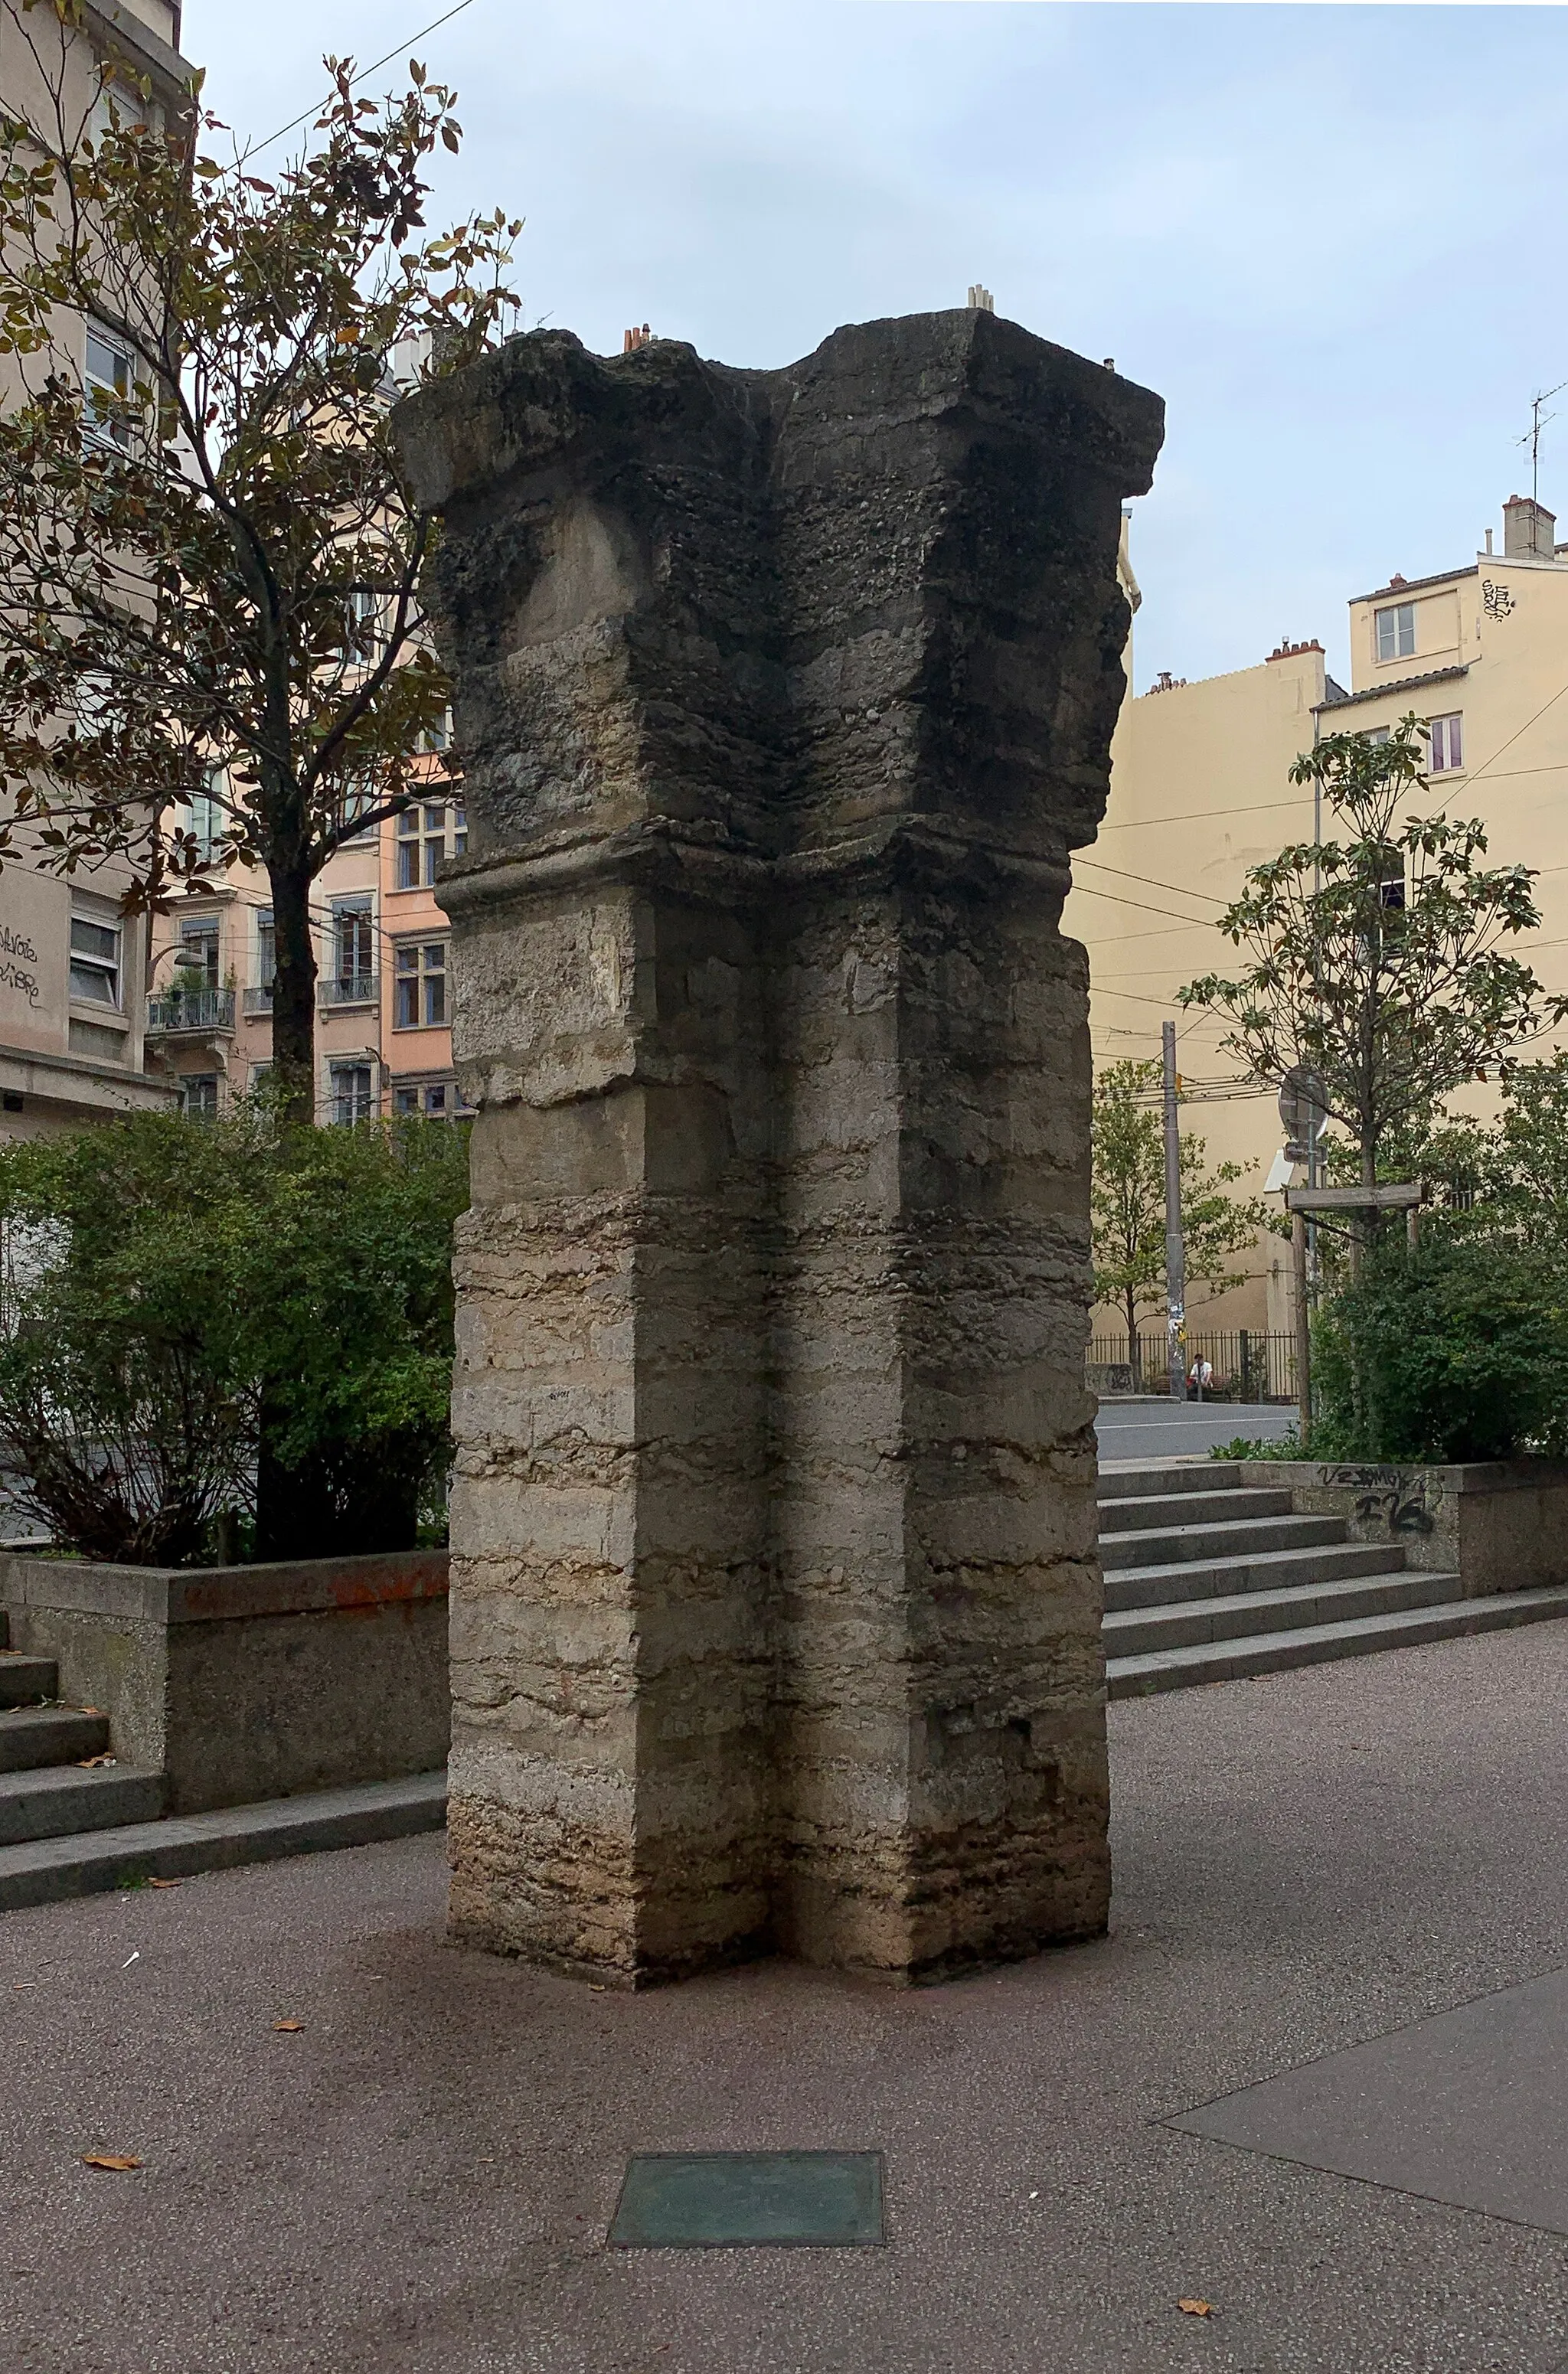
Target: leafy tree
x: 1128, y: 1202
x: 210, y: 577
x: 1377, y: 960
x: 1454, y: 1349
x: 207, y: 1321
x: 127, y: 1410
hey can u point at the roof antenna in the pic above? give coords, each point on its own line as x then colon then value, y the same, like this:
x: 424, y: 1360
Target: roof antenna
x: 1532, y: 435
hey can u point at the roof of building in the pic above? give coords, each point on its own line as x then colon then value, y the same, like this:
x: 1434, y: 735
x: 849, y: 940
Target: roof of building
x: 1419, y: 584
x: 1401, y: 684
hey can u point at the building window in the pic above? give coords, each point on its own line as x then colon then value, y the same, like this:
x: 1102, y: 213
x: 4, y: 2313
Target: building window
x: 363, y: 640
x: 437, y: 736
x: 1447, y: 748
x: 1391, y: 886
x: 267, y: 948
x: 108, y: 387
x: 419, y: 1003
x: 1396, y: 632
x: 353, y: 930
x: 197, y: 965
x: 205, y: 818
x: 198, y: 1096
x: 353, y: 1098
x: 438, y: 1100
x: 95, y: 961
x: 425, y: 835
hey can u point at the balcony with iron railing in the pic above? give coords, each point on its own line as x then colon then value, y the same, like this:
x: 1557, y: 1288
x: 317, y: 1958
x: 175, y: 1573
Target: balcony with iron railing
x: 257, y: 1000
x: 348, y: 989
x: 190, y: 1013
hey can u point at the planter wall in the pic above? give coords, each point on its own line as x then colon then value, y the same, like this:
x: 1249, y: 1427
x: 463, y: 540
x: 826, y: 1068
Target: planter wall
x: 1499, y: 1525
x: 245, y: 1683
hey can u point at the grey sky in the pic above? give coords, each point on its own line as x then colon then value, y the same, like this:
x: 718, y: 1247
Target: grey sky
x: 1331, y: 237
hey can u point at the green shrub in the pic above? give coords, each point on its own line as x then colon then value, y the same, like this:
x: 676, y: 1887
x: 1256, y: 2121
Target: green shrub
x: 211, y: 1329
x: 1263, y: 1446
x: 1457, y: 1350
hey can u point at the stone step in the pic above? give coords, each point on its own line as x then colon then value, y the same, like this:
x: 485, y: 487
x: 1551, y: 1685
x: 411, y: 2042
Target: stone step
x: 31, y: 1736
x: 62, y: 1799
x: 1137, y: 1479
x: 1160, y: 1586
x: 1141, y: 1631
x: 25, y: 1681
x: 47, y: 1871
x: 1277, y: 1653
x: 1191, y: 1507
x: 1243, y: 1536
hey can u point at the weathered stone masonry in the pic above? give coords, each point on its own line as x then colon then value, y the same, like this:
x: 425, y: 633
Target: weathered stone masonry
x: 785, y: 697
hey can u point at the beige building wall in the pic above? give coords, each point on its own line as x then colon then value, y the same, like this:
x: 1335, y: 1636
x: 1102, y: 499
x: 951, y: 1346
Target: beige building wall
x: 1200, y: 791
x: 73, y: 1001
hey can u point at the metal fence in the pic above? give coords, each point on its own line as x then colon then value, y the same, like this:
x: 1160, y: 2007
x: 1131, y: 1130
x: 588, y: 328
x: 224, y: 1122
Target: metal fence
x: 1248, y: 1366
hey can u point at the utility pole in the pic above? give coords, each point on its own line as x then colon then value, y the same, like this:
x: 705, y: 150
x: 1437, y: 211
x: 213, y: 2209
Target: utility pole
x: 1175, y: 1249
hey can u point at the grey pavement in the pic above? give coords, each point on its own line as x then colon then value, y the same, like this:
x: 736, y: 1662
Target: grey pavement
x: 1167, y: 1430
x: 420, y: 2180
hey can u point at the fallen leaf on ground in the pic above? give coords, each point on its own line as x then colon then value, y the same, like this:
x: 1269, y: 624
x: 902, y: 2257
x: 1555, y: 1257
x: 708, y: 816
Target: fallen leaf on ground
x: 88, y: 1762
x: 288, y: 2027
x: 110, y: 2160
x: 163, y: 1883
x: 595, y: 1991
x: 1195, y: 2308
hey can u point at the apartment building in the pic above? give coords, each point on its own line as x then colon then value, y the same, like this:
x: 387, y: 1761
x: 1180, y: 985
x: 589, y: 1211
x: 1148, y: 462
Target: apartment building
x: 72, y: 968
x: 1200, y: 791
x: 384, y: 986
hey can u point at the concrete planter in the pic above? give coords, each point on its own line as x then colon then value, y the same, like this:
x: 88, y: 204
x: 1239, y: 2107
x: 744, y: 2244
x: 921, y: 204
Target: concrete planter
x: 245, y: 1683
x: 1499, y: 1525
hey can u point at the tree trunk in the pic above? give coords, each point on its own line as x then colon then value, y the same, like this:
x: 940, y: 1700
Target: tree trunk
x: 293, y: 991
x: 1133, y: 1360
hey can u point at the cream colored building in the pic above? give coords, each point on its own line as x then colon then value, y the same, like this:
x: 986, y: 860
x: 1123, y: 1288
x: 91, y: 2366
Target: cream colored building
x: 1200, y: 790
x: 73, y: 969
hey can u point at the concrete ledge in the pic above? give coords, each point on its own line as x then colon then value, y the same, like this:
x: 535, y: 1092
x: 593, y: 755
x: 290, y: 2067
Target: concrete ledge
x: 244, y: 1683
x: 156, y: 1595
x: 1499, y: 1525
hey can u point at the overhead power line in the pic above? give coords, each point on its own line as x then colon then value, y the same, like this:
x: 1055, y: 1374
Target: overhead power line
x: 1149, y: 881
x: 395, y: 51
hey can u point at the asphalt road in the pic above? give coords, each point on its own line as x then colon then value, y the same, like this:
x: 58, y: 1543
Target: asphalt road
x: 418, y: 2178
x: 1154, y: 1429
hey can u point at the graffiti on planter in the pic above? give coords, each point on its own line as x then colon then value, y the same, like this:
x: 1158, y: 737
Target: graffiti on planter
x: 1405, y: 1503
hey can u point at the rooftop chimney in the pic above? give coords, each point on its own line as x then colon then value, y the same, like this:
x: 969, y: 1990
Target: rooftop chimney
x: 1530, y: 530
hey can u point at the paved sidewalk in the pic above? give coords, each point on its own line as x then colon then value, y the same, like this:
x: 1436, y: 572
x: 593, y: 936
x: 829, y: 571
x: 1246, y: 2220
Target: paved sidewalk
x: 418, y: 2182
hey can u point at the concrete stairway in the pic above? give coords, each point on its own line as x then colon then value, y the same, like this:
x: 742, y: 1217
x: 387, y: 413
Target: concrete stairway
x: 71, y: 1828
x: 1207, y: 1580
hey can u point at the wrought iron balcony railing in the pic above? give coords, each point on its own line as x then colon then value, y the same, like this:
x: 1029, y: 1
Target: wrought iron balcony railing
x: 349, y: 989
x: 193, y: 1010
x: 257, y: 1000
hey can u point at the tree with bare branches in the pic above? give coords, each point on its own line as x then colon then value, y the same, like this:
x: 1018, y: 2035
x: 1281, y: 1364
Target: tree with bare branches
x: 209, y: 573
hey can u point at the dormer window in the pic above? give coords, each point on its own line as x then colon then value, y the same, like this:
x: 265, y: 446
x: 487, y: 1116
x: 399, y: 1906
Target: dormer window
x: 1396, y: 632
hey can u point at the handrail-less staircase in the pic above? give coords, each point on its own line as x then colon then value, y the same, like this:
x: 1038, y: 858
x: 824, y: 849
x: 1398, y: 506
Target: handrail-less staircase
x: 1207, y: 1579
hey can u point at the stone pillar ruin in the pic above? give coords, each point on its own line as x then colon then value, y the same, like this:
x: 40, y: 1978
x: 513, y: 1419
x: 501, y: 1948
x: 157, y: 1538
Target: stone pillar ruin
x: 783, y: 696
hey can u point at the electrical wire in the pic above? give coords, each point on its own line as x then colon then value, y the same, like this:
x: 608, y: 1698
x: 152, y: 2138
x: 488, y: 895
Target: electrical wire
x: 359, y: 76
x: 1149, y: 881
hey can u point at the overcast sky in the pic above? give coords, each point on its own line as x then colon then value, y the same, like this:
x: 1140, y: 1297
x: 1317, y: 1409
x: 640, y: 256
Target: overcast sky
x: 1332, y: 237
